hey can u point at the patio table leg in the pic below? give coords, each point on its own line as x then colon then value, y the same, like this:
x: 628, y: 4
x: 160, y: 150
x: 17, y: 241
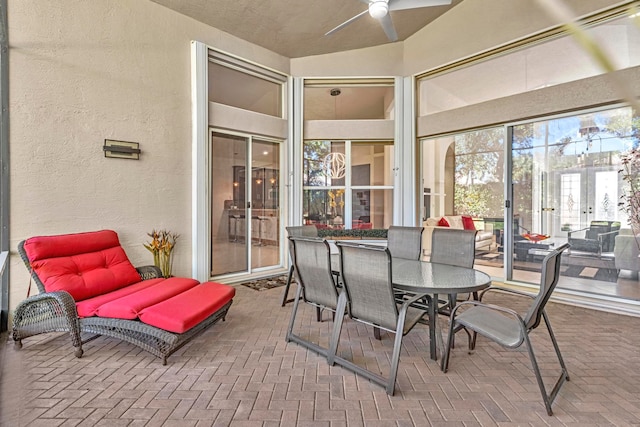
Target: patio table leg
x: 433, y: 316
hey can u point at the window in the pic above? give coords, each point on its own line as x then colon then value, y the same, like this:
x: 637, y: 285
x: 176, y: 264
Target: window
x: 540, y: 65
x: 349, y: 99
x: 240, y: 84
x: 348, y: 184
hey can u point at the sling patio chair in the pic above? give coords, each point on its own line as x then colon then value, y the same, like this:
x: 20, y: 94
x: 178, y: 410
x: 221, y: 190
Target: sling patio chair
x: 405, y: 242
x: 299, y: 230
x: 453, y: 247
x: 316, y: 283
x: 368, y: 296
x: 508, y: 328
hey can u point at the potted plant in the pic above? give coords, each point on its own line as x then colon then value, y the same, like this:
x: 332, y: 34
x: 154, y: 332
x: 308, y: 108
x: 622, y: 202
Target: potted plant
x: 161, y: 246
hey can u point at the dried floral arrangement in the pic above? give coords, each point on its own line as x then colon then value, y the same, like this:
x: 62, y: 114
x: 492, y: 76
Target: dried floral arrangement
x: 161, y: 246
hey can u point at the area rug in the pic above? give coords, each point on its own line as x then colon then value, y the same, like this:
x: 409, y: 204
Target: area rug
x: 592, y: 268
x: 266, y: 283
x: 593, y: 273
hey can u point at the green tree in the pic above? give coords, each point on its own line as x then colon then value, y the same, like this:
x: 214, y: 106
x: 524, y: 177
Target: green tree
x: 479, y: 173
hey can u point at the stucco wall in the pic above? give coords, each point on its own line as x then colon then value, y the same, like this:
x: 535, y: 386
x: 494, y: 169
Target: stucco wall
x: 385, y: 60
x: 82, y: 71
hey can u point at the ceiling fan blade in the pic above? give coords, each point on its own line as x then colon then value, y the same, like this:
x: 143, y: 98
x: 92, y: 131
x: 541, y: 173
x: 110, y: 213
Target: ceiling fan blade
x: 415, y: 4
x: 347, y: 22
x: 387, y: 26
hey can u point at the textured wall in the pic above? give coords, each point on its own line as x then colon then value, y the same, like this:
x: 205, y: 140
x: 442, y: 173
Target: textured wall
x: 82, y: 71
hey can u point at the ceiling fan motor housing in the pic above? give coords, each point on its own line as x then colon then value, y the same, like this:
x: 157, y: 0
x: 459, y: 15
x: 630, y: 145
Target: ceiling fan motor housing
x: 378, y: 8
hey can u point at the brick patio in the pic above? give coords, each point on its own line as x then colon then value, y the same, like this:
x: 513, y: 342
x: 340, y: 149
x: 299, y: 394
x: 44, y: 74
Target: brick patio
x: 243, y: 373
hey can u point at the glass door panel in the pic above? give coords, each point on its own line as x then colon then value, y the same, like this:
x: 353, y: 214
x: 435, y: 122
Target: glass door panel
x: 566, y: 187
x: 245, y: 204
x: 265, y: 203
x: 229, y: 209
x: 463, y: 174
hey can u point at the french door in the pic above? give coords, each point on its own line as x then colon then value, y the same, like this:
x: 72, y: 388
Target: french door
x: 245, y: 204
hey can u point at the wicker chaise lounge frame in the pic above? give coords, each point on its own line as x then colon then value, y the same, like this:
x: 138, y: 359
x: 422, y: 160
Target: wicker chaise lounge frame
x: 56, y: 312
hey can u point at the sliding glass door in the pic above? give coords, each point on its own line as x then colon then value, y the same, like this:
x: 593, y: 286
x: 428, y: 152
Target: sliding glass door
x: 563, y: 185
x: 245, y: 204
x: 566, y: 188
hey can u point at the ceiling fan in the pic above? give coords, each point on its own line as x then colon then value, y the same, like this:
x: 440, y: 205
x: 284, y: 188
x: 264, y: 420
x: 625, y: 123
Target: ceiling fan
x: 379, y: 9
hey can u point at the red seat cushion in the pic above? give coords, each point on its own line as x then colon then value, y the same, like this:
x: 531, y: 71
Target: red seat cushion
x: 186, y: 310
x: 467, y: 223
x: 83, y: 264
x: 89, y: 307
x: 443, y: 222
x: 129, y: 306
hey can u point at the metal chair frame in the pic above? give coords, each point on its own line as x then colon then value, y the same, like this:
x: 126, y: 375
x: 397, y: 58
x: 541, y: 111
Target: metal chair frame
x: 453, y: 247
x: 316, y: 283
x: 374, y: 281
x: 298, y: 230
x: 493, y: 322
x: 405, y: 242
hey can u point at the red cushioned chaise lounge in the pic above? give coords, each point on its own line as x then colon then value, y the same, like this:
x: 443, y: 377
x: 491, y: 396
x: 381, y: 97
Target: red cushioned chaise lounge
x: 88, y: 285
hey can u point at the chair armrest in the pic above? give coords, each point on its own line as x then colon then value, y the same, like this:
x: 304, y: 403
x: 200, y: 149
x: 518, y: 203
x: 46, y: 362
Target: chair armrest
x: 149, y: 272
x: 601, y: 235
x: 47, y: 312
x: 505, y: 290
x: 414, y: 302
x: 575, y: 231
x: 63, y: 298
x: 488, y: 306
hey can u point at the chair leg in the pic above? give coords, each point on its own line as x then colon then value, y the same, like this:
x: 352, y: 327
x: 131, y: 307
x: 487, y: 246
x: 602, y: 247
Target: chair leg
x: 555, y: 345
x: 536, y: 370
x: 337, y: 328
x: 286, y: 288
x: 547, y: 398
x: 376, y: 333
x: 294, y: 310
x: 447, y: 350
x: 395, y: 358
x: 472, y: 341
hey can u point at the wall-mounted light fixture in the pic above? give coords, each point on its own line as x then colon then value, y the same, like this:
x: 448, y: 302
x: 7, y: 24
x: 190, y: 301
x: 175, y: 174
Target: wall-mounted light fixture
x: 121, y: 149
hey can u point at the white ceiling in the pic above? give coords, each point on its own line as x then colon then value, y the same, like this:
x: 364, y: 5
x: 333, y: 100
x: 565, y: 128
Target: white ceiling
x: 296, y: 28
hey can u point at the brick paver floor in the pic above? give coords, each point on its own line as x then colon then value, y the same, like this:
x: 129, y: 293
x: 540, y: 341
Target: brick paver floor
x: 243, y: 373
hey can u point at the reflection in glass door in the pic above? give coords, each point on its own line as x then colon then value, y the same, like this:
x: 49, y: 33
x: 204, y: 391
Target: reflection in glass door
x: 245, y: 204
x: 566, y: 187
x: 265, y: 203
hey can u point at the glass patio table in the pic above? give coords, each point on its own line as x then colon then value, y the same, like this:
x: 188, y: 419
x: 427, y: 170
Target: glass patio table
x: 426, y: 278
x: 422, y: 277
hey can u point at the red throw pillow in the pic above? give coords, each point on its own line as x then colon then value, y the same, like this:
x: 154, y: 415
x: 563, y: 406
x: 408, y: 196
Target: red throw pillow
x: 467, y: 223
x: 443, y: 222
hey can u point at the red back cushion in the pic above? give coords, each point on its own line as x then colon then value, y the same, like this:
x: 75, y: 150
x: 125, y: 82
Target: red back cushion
x: 83, y: 264
x: 467, y: 223
x: 443, y: 222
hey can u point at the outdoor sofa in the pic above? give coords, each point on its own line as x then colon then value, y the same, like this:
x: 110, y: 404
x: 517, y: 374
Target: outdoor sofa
x: 484, y: 238
x: 88, y: 285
